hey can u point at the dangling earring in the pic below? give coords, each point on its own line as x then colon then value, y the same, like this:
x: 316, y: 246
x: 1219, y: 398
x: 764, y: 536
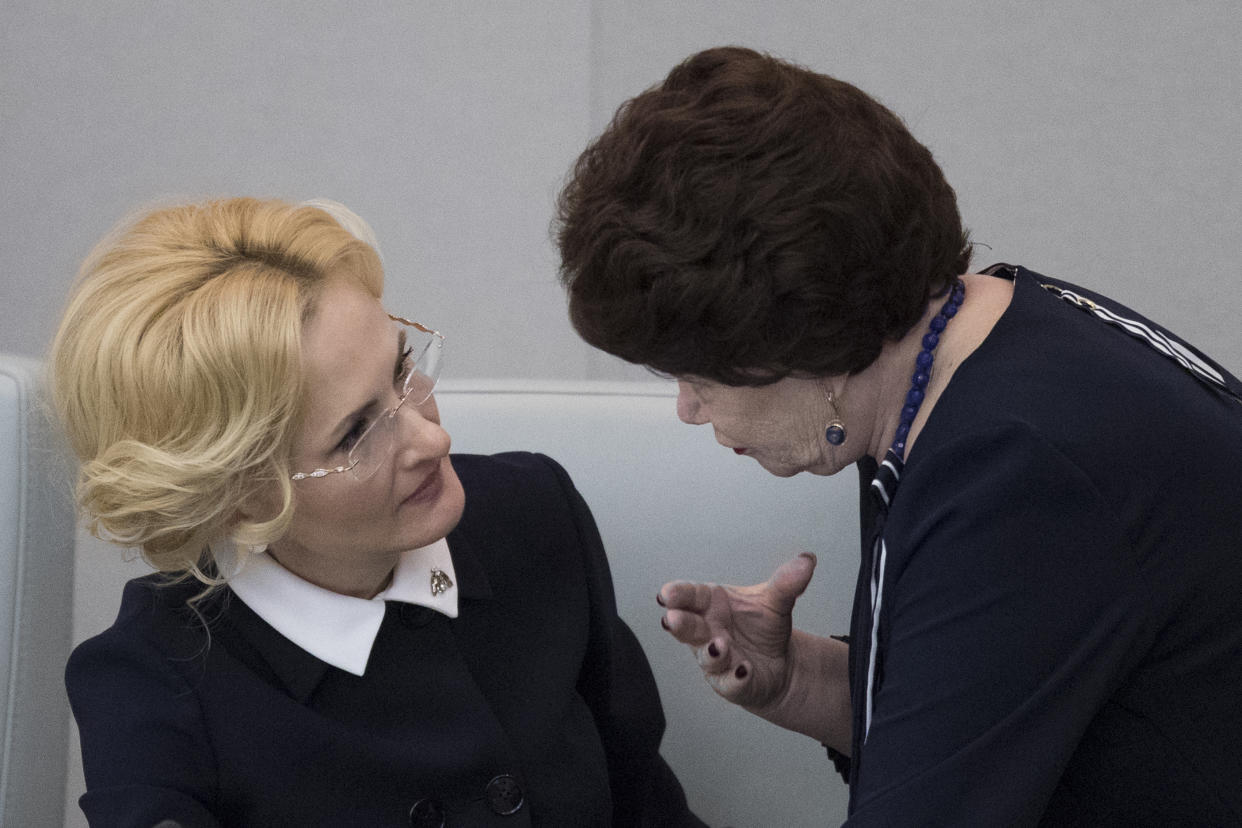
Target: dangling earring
x: 835, y: 431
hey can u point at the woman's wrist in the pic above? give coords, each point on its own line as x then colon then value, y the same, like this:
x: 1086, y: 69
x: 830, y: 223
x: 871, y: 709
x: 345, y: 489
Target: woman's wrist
x: 815, y: 701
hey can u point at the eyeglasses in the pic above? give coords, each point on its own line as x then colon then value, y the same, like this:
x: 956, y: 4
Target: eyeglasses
x: 414, y: 382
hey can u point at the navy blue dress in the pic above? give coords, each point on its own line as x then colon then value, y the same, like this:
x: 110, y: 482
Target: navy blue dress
x: 535, y: 706
x: 1048, y: 620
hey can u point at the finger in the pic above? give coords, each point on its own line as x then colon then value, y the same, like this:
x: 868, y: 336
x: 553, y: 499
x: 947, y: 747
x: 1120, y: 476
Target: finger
x: 685, y: 595
x: 687, y: 627
x: 715, y: 656
x: 732, y: 684
x: 790, y: 579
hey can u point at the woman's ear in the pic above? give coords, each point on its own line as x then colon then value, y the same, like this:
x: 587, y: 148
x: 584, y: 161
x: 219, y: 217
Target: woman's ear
x: 263, y: 504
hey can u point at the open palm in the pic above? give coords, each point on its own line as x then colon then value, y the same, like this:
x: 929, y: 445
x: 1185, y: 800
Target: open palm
x: 740, y: 635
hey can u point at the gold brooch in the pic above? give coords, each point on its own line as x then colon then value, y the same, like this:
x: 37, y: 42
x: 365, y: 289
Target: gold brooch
x: 440, y: 581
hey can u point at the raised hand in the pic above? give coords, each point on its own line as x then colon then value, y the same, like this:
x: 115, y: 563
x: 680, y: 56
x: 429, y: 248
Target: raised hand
x: 740, y: 635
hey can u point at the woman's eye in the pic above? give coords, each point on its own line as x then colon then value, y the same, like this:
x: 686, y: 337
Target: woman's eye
x: 403, y: 366
x: 352, y: 436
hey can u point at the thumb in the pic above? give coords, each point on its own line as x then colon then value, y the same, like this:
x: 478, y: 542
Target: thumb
x: 789, y: 581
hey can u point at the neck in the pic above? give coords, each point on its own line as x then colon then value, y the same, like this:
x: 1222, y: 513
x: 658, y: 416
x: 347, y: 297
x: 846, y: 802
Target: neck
x: 892, y: 379
x: 986, y: 299
x: 359, y: 579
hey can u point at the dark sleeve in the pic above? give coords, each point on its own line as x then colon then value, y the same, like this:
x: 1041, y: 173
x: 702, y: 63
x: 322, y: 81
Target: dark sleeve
x: 144, y: 749
x: 618, y: 686
x: 840, y: 762
x: 868, y: 509
x: 1011, y: 606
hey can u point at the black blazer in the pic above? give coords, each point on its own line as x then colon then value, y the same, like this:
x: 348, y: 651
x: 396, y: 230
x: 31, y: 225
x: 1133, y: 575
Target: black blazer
x: 537, y: 700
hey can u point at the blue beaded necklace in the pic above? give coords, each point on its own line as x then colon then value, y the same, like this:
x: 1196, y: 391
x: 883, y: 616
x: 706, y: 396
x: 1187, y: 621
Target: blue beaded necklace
x: 922, y: 367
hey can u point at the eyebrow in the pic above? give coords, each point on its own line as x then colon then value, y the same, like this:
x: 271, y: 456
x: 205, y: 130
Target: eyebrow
x: 346, y: 422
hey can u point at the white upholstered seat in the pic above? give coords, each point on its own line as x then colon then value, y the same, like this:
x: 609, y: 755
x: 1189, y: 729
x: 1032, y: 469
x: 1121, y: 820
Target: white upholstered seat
x: 36, y: 603
x: 670, y: 503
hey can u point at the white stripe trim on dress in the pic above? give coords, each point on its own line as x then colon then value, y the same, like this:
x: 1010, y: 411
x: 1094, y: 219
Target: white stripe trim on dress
x: 1156, y: 339
x: 879, y: 487
x: 1161, y: 342
x: 878, y: 482
x: 877, y: 598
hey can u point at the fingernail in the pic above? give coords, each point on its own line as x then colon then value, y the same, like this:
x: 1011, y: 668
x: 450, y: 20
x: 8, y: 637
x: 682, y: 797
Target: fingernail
x: 809, y: 556
x: 740, y: 672
x: 663, y: 622
x: 659, y: 599
x: 712, y: 650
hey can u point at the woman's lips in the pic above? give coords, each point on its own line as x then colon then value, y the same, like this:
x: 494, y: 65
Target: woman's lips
x: 428, y: 490
x: 739, y: 451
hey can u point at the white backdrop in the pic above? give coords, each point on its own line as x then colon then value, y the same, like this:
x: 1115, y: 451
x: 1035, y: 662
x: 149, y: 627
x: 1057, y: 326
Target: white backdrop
x: 1095, y: 141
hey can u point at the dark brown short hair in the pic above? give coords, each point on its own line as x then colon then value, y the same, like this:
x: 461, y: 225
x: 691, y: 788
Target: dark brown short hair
x: 748, y: 219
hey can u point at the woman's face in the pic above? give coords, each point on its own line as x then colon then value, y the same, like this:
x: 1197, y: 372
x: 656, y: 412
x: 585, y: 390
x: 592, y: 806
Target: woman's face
x: 780, y: 425
x: 351, y: 354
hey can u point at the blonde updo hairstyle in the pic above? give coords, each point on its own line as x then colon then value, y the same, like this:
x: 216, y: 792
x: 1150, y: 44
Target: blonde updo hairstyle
x: 177, y: 370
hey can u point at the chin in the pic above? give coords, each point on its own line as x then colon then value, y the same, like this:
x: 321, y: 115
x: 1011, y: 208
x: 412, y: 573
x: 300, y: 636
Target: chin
x: 781, y: 471
x: 453, y: 502
x: 433, y: 521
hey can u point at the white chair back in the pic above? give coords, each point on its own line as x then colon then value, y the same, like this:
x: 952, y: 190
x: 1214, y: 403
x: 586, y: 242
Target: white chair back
x: 670, y: 503
x: 36, y: 603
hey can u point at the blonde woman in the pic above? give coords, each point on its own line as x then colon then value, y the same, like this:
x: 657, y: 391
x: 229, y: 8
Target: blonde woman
x: 348, y: 626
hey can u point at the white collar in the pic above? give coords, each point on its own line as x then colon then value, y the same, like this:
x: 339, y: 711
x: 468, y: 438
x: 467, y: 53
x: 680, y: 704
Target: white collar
x: 335, y: 628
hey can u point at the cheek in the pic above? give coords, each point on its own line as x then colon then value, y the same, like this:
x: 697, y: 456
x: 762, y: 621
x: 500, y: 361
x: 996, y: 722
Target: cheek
x: 346, y: 506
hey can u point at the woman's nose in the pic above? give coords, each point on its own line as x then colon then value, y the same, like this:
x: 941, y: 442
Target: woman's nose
x: 689, y: 410
x: 418, y: 438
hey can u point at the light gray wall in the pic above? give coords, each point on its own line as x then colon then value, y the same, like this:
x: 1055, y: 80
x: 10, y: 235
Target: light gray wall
x: 448, y: 125
x: 1093, y: 140
x: 1096, y: 141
